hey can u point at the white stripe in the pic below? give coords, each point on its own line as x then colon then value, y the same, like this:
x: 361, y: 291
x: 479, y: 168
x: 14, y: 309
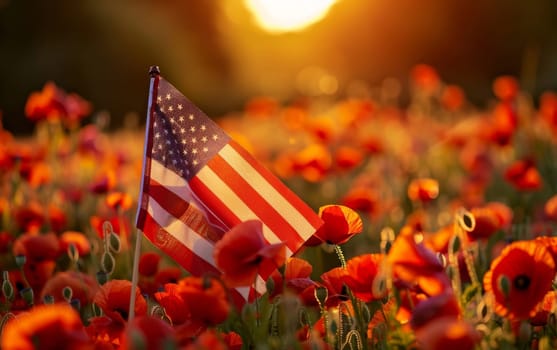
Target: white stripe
x: 182, y: 232
x: 303, y: 227
x: 208, y: 177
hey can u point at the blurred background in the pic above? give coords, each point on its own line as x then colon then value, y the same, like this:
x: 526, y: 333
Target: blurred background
x: 222, y: 53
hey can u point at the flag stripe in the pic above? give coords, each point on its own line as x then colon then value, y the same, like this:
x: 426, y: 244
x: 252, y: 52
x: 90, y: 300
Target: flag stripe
x: 228, y: 198
x: 258, y: 202
x: 298, y: 211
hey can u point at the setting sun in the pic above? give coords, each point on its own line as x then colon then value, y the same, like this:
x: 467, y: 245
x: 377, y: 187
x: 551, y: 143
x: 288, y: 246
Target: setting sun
x: 288, y: 15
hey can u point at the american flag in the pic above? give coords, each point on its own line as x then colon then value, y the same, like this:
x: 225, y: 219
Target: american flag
x: 198, y: 183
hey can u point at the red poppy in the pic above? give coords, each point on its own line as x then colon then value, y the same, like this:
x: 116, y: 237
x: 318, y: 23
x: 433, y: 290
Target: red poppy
x: 168, y: 275
x: 149, y: 263
x: 40, y: 174
x: 414, y: 263
x: 423, y: 190
x: 502, y: 124
x: 433, y: 308
x: 197, y: 293
x: 322, y: 129
x: 487, y: 223
x: 209, y: 339
x: 524, y: 175
x: 340, y: 223
x: 361, y: 274
x: 333, y: 280
x: 297, y: 274
x: 47, y: 104
x: 550, y: 208
x: 544, y: 309
x: 104, y: 182
x: 261, y: 107
x: 363, y: 199
x: 172, y: 301
x: 37, y: 247
x: 97, y: 223
x: 519, y: 278
x: 76, y: 108
x: 83, y: 286
x: 29, y: 217
x: 148, y: 332
x: 548, y: 109
x: 113, y: 298
x: 56, y: 326
x: 6, y: 241
x: 447, y: 333
x: 242, y: 253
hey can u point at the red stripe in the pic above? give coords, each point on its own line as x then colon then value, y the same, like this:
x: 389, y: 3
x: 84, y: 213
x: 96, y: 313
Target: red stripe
x: 211, y: 200
x: 258, y: 204
x: 307, y: 212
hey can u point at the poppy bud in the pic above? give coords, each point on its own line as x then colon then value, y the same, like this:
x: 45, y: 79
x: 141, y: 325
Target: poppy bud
x: 97, y: 311
x: 73, y: 253
x: 7, y: 289
x: 387, y: 238
x: 107, y: 263
x: 466, y: 220
x: 114, y: 242
x: 321, y: 295
x: 67, y: 292
x: 102, y: 277
x: 27, y: 295
x: 20, y: 260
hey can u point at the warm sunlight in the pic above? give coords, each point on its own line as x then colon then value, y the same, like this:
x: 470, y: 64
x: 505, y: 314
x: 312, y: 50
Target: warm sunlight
x: 288, y: 15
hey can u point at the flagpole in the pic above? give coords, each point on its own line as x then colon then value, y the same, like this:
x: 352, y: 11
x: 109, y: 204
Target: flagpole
x: 153, y: 73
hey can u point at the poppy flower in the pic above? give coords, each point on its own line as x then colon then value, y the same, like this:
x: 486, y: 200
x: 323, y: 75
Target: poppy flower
x: 519, y: 278
x: 414, y: 263
x: 29, y: 217
x: 97, y: 223
x: 197, y: 293
x: 313, y: 162
x: 433, y: 308
x: 523, y: 175
x: 104, y: 182
x: 447, y: 333
x: 6, y: 241
x: 261, y: 107
x: 56, y: 326
x: 149, y: 264
x: 453, y: 97
x: 169, y: 274
x: 322, y: 129
x: 333, y: 280
x: 548, y: 109
x: 423, y: 190
x: 209, y: 339
x: 502, y: 125
x: 347, y: 157
x: 83, y: 286
x: 76, y: 107
x: 487, y: 223
x: 550, y: 208
x: 544, y: 309
x: 119, y: 201
x: 172, y: 301
x: 361, y: 273
x: 363, y: 199
x: 505, y: 87
x: 425, y: 78
x: 148, y: 332
x: 113, y: 298
x: 340, y: 223
x: 242, y: 253
x: 37, y: 247
x: 296, y: 278
x: 48, y: 104
x: 78, y: 239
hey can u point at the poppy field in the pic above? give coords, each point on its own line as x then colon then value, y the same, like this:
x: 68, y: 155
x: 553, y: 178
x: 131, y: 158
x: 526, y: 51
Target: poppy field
x: 438, y: 228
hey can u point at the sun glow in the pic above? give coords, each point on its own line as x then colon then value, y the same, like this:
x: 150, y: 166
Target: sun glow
x: 279, y: 16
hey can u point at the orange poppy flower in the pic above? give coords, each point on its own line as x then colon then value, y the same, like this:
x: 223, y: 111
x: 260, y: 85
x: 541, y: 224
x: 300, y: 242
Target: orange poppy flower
x: 119, y: 201
x: 502, y: 124
x: 433, y: 308
x: 550, y: 208
x: 340, y: 223
x: 425, y: 78
x: 113, y: 298
x: 487, y: 223
x: 347, y: 157
x: 505, y: 87
x: 414, y: 263
x: 524, y: 175
x: 209, y: 339
x: 197, y: 293
x: 453, y: 97
x: 40, y: 174
x: 361, y: 272
x: 84, y: 287
x: 242, y: 253
x: 313, y: 163
x: 526, y: 269
x: 261, y: 107
x: 149, y: 264
x: 78, y: 239
x: 56, y: 326
x: 149, y: 331
x: 97, y: 224
x: 104, y: 182
x: 548, y: 109
x: 297, y: 274
x: 423, y: 190
x: 363, y: 199
x: 544, y: 309
x: 322, y: 129
x: 447, y: 333
x: 550, y: 243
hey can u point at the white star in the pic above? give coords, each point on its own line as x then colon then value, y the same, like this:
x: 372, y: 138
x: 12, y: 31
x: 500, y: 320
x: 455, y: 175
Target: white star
x: 159, y: 99
x: 204, y: 139
x: 191, y: 117
x: 157, y: 135
x: 203, y: 127
x: 184, y: 141
x: 192, y: 129
x: 170, y: 108
x: 194, y: 151
x: 193, y: 140
x: 181, y: 118
x: 182, y: 130
x: 167, y: 96
x: 185, y: 151
x: 205, y: 149
x: 215, y: 137
x: 195, y: 162
x: 180, y: 106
